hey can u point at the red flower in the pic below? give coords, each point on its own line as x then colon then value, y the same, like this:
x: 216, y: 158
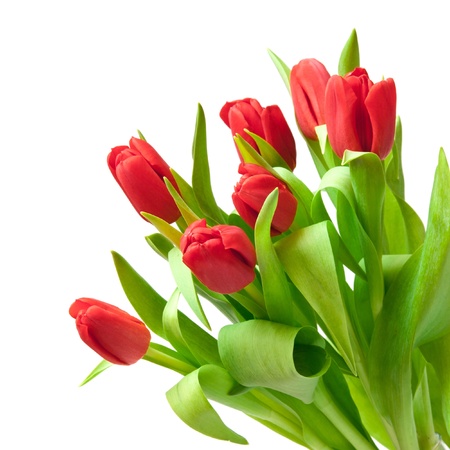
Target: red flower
x: 221, y: 257
x: 360, y: 115
x: 252, y: 190
x: 308, y: 82
x: 140, y: 172
x: 268, y: 123
x: 111, y: 332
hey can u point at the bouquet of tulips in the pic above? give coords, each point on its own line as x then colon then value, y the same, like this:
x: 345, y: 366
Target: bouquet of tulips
x: 337, y: 299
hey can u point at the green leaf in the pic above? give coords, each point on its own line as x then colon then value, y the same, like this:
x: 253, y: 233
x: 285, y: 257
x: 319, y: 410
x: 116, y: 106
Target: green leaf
x: 268, y: 152
x: 187, y: 193
x: 188, y: 215
x: 101, y: 367
x: 201, y: 180
x: 164, y: 228
x: 150, y: 306
x: 277, y: 293
x: 418, y: 300
x: 349, y: 59
x: 394, y: 169
x: 160, y: 244
x: 189, y: 402
x: 185, y: 283
x: 308, y: 256
x: 282, y: 68
x: 272, y: 355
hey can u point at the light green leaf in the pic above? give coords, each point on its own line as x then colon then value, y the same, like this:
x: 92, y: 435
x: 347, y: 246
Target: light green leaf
x: 191, y: 405
x: 272, y: 355
x: 166, y: 357
x: 160, y: 244
x: 282, y: 68
x: 308, y: 257
x: 150, y: 307
x: 185, y: 283
x: 164, y: 228
x: 268, y: 152
x: 101, y: 367
x: 349, y: 59
x: 201, y: 180
x: 393, y: 163
x: 188, y: 215
x: 277, y: 293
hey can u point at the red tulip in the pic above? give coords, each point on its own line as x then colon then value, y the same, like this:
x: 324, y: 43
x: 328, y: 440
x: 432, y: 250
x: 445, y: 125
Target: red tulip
x: 252, y: 190
x: 268, y: 123
x: 140, y: 172
x: 308, y: 82
x: 111, y: 332
x: 360, y: 115
x: 221, y: 257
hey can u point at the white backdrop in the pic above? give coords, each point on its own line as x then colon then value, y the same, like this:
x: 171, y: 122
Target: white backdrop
x: 77, y: 78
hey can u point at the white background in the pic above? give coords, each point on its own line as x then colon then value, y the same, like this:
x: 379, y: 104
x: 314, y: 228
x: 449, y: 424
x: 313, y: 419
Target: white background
x: 77, y: 78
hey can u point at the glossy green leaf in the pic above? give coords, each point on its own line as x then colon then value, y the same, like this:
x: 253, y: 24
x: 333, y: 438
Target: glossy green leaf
x: 201, y: 179
x: 250, y: 155
x: 187, y: 193
x: 150, y: 306
x: 349, y: 59
x: 185, y: 283
x: 272, y: 355
x: 282, y: 68
x: 308, y: 257
x: 191, y: 405
x: 101, y: 367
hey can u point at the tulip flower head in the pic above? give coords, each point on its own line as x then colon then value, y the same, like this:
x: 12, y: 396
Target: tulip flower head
x: 360, y: 115
x: 114, y: 334
x: 140, y: 171
x: 269, y: 123
x: 222, y: 257
x: 251, y: 192
x: 308, y: 81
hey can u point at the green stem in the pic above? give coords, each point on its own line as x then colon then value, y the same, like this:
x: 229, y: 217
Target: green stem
x: 168, y: 358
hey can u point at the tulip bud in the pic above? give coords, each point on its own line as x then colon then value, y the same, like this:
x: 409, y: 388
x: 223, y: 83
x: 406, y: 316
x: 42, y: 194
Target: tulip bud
x: 308, y: 82
x: 221, y: 257
x: 114, y: 334
x: 251, y: 192
x: 139, y: 170
x: 268, y: 123
x: 360, y: 115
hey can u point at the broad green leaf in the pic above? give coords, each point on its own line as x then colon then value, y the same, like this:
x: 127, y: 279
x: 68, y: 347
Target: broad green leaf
x: 308, y: 256
x: 185, y: 283
x: 150, y: 306
x: 349, y: 59
x: 164, y: 228
x: 369, y: 195
x: 189, y: 402
x: 260, y: 353
x: 282, y: 68
x: 101, y: 367
x: 201, y: 180
x: 416, y: 312
x: 277, y: 293
x: 404, y: 231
